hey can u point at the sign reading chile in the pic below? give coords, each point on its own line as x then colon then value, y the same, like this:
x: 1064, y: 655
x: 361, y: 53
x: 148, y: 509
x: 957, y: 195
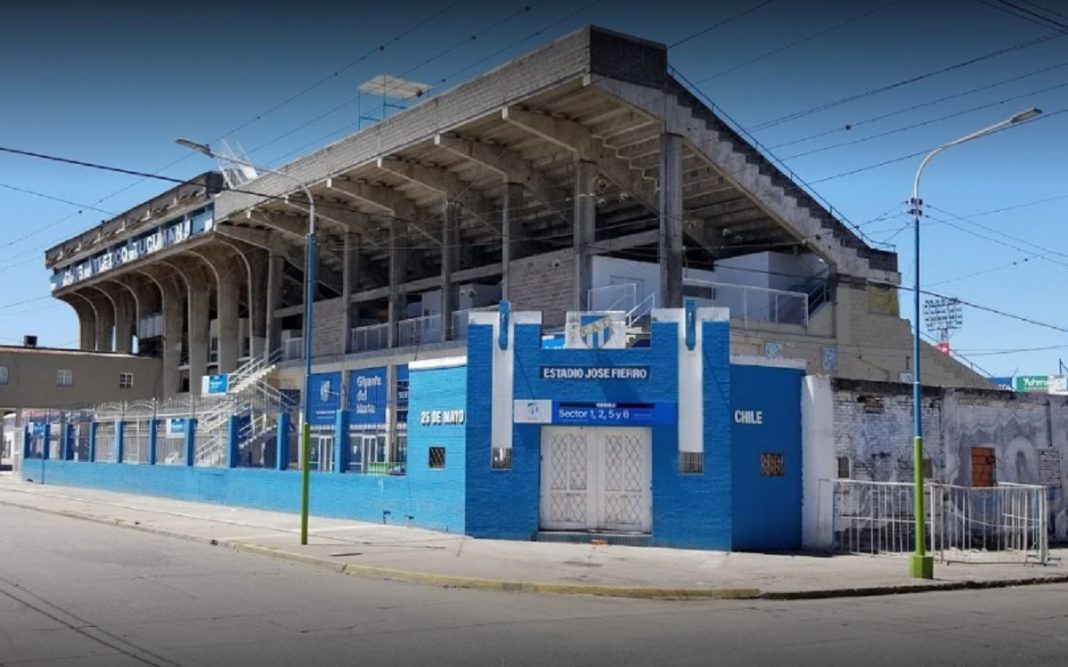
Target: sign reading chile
x: 624, y: 373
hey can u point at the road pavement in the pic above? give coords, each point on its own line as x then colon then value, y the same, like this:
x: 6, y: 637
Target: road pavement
x: 80, y: 593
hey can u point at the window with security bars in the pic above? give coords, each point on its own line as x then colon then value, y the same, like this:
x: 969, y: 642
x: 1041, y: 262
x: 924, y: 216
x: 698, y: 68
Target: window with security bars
x: 126, y: 380
x: 691, y: 462
x: 64, y: 377
x: 843, y: 467
x: 3, y: 374
x: 437, y: 457
x: 501, y: 458
x: 771, y: 464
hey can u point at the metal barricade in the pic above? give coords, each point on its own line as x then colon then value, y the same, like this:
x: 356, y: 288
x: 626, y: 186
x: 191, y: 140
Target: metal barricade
x: 1003, y: 523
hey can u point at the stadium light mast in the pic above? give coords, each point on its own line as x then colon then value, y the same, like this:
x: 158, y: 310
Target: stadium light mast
x: 922, y: 564
x: 309, y: 299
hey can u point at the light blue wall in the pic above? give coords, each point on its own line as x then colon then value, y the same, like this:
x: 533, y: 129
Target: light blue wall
x: 425, y: 498
x: 766, y: 511
x: 437, y: 492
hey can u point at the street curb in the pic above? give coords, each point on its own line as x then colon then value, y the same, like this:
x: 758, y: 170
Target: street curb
x: 477, y: 583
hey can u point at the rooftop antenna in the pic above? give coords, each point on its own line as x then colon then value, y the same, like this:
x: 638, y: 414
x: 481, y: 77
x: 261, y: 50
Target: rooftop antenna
x: 388, y: 87
x: 235, y: 173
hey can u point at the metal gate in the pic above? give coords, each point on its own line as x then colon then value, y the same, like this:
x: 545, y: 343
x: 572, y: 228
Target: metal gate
x: 596, y: 479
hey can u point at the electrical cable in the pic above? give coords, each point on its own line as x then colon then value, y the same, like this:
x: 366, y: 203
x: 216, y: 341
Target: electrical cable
x: 905, y: 82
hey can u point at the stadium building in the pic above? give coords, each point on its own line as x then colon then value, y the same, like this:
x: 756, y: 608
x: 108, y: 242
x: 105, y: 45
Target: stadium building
x: 569, y: 267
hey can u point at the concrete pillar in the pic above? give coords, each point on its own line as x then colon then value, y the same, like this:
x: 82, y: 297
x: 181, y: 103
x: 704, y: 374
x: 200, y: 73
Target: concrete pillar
x: 228, y: 305
x: 513, y: 202
x: 199, y: 304
x: 105, y: 322
x: 172, y: 303
x: 272, y: 328
x: 397, y: 271
x: 86, y: 320
x: 670, y: 246
x: 125, y: 316
x: 450, y: 254
x: 584, y: 233
x: 350, y: 273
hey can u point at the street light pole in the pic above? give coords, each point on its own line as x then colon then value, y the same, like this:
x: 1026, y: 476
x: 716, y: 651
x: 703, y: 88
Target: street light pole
x: 921, y: 565
x: 309, y: 300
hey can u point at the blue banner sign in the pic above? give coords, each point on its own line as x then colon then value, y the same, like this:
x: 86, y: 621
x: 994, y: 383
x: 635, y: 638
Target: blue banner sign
x: 176, y: 427
x: 595, y: 373
x: 216, y: 384
x: 614, y: 414
x: 324, y: 399
x: 163, y: 236
x: 1002, y: 382
x: 38, y: 428
x: 368, y: 397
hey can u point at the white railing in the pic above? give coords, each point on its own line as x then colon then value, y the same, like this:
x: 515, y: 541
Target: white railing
x: 293, y: 349
x: 754, y: 304
x: 460, y: 320
x: 370, y: 337
x: 419, y: 330
x: 623, y: 297
x: 1007, y: 522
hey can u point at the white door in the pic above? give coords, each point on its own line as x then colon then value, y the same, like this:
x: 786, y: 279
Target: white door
x: 596, y: 479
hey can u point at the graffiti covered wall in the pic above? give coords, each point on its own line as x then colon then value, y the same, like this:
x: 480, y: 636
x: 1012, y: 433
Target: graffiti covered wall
x: 1027, y: 435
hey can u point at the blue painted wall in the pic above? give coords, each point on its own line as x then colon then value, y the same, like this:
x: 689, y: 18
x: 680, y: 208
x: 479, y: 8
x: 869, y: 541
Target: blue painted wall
x: 426, y: 498
x: 437, y: 492
x: 694, y: 510
x: 766, y: 511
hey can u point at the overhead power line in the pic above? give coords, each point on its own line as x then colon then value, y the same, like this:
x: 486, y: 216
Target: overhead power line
x: 905, y: 82
x: 787, y: 47
x: 923, y: 151
x: 849, y: 127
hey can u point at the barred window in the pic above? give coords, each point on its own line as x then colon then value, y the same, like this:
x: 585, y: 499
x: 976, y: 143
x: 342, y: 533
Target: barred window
x: 64, y: 377
x: 843, y: 467
x: 691, y: 462
x: 126, y: 380
x: 501, y: 458
x: 437, y: 457
x: 771, y: 465
x: 3, y: 374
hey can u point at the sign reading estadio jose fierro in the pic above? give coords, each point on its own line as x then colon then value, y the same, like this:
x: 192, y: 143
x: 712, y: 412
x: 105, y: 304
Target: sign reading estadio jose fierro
x: 594, y: 372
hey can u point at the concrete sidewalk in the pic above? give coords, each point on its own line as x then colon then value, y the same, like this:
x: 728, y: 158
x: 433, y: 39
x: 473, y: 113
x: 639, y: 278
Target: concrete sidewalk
x: 415, y: 555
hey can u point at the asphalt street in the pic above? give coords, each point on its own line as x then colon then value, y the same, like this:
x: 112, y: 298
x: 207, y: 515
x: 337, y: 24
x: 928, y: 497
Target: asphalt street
x: 79, y: 593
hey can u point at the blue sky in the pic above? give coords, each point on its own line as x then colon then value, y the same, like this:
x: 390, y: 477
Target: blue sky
x: 117, y: 83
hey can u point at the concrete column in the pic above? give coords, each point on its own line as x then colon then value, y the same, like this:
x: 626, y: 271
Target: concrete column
x: 173, y: 324
x: 199, y: 305
x: 350, y: 272
x: 584, y: 231
x: 228, y: 302
x: 397, y: 271
x: 450, y: 254
x: 105, y: 322
x: 125, y: 319
x: 272, y: 328
x: 513, y: 202
x: 86, y: 320
x: 670, y: 246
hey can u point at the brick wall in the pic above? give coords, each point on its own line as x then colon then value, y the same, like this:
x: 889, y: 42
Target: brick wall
x: 1028, y: 433
x: 544, y: 283
x: 330, y: 329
